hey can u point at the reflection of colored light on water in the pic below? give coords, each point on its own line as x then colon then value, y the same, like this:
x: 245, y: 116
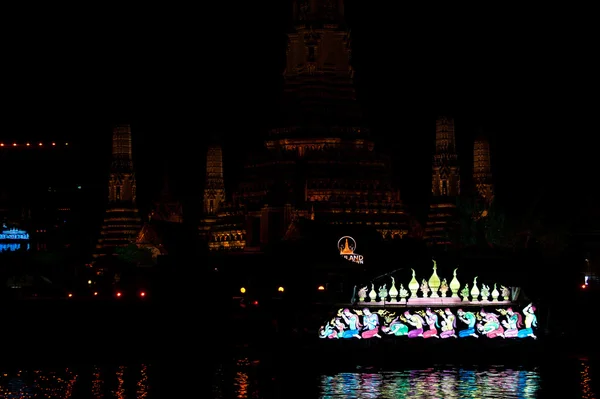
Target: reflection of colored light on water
x: 432, y: 383
x: 240, y: 383
x: 120, y: 392
x: 585, y: 384
x: 142, y: 384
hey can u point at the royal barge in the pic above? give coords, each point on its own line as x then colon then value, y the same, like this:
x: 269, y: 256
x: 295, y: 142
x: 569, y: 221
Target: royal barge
x: 477, y: 319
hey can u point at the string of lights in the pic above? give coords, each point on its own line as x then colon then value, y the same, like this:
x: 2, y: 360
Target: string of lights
x: 33, y: 145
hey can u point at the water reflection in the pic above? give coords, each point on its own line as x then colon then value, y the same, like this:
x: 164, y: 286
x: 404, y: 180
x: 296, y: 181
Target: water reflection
x: 432, y: 383
x: 586, y: 381
x: 142, y: 384
x: 95, y: 382
x: 119, y: 393
x: 24, y: 384
x: 245, y: 380
x: 252, y: 379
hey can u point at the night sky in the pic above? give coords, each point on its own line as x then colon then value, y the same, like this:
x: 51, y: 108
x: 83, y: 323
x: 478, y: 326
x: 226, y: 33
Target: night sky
x: 522, y: 77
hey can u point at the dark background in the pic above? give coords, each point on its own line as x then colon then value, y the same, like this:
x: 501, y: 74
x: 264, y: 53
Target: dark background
x: 522, y: 76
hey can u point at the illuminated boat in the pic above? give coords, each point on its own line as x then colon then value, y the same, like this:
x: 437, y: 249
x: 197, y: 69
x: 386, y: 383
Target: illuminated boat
x: 433, y: 313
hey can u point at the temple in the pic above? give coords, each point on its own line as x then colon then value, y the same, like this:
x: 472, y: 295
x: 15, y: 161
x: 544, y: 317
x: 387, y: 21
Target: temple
x: 445, y: 186
x: 482, y: 171
x: 318, y: 164
x: 122, y: 221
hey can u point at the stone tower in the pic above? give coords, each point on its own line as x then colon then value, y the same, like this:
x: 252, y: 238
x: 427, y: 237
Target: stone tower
x: 122, y: 221
x: 214, y: 185
x: 482, y: 170
x: 222, y: 225
x: 445, y: 184
x: 121, y: 184
x: 445, y: 176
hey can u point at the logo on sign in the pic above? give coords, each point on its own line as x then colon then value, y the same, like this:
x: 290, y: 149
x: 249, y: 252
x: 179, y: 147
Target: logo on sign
x: 347, y: 246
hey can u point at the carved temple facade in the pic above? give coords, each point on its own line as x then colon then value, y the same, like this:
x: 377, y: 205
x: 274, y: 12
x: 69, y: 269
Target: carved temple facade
x: 319, y: 164
x: 122, y: 221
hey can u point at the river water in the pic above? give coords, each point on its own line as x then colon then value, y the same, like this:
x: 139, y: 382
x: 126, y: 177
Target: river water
x: 246, y: 378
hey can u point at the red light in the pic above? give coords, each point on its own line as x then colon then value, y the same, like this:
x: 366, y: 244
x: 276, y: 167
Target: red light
x: 14, y: 144
x: 53, y: 143
x: 70, y: 295
x: 118, y: 294
x: 27, y: 144
x: 583, y: 285
x: 40, y: 144
x: 95, y: 294
x: 142, y: 293
x: 1, y: 144
x: 255, y: 303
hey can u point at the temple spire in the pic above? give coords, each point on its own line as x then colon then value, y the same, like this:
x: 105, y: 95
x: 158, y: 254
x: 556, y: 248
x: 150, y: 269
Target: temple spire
x: 482, y: 171
x: 318, y: 77
x: 214, y: 186
x: 122, y: 181
x: 445, y: 185
x: 323, y: 11
x: 122, y: 221
x: 445, y: 170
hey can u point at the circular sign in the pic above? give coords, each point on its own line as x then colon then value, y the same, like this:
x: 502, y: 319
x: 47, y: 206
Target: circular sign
x: 347, y: 245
